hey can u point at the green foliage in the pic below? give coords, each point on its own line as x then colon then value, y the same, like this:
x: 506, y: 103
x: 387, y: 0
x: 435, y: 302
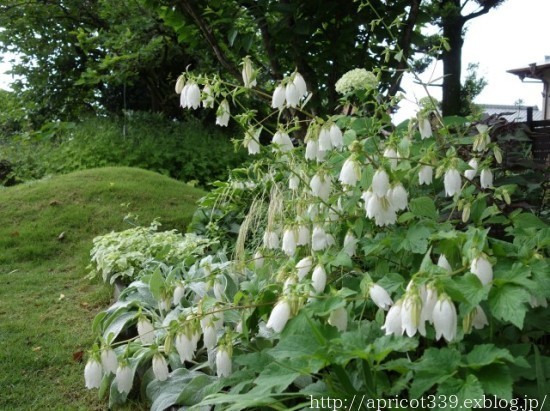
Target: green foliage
x: 186, y: 151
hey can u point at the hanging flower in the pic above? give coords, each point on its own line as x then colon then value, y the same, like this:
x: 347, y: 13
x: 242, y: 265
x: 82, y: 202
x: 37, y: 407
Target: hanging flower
x: 293, y: 182
x: 258, y: 260
x: 179, y: 293
x: 391, y: 155
x: 381, y: 210
x: 300, y: 84
x: 279, y: 316
x: 393, y: 324
x: 444, y: 263
x: 207, y: 97
x: 252, y: 140
x: 278, y: 99
x: 398, y: 197
x: 282, y: 142
x: 325, y: 143
x: 292, y: 95
x: 93, y: 374
x: 350, y: 244
x: 319, y: 278
x: 429, y: 298
x: 312, y: 149
x: 452, y: 182
x: 486, y: 178
x: 185, y: 346
x: 425, y: 128
x: 271, y: 240
x: 380, y: 183
x: 425, y: 175
x: 444, y: 319
x: 248, y: 73
x: 124, y: 379
x: 482, y: 139
x: 222, y: 114
x: 146, y: 331
x: 303, y: 235
x: 339, y: 319
x: 411, y: 315
x: 209, y: 336
x: 223, y: 362
x: 336, y: 136
x: 160, y: 367
x: 289, y: 242
x: 109, y: 360
x: 479, y: 319
x: 483, y: 269
x: 320, y: 186
x: 303, y: 267
x: 471, y: 173
x: 380, y: 297
x: 319, y: 240
x: 180, y: 83
x: 350, y: 172
x: 193, y: 95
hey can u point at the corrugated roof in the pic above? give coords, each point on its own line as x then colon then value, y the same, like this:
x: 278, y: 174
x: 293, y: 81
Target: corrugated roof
x: 511, y: 112
x: 533, y: 70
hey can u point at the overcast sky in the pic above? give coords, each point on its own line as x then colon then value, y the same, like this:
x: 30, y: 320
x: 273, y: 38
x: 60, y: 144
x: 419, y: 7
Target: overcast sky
x: 514, y: 35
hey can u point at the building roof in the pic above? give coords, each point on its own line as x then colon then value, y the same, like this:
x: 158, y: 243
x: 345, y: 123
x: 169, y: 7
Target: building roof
x: 511, y: 112
x: 533, y: 70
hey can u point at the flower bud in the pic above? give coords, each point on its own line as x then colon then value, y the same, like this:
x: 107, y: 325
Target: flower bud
x: 380, y: 297
x: 279, y: 316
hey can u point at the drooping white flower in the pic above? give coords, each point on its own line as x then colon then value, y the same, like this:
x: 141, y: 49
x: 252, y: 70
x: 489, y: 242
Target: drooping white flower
x: 124, y: 379
x: 380, y: 183
x: 425, y: 175
x: 303, y: 235
x: 325, y: 143
x: 278, y: 99
x: 160, y: 367
x: 350, y: 244
x: 192, y: 95
x: 398, y: 197
x: 223, y: 363
x: 380, y: 297
x: 185, y: 346
x: 444, y: 319
x: 279, y: 316
x: 391, y: 155
x: 411, y: 315
x: 429, y: 298
x: 300, y: 84
x: 210, y: 336
x: 452, y: 182
x: 207, y: 97
x: 293, y: 182
x: 312, y: 148
x: 321, y: 154
x: 483, y: 269
x: 179, y: 293
x: 258, y: 260
x: 486, y: 178
x: 444, y: 263
x: 303, y: 267
x: 319, y: 239
x: 249, y: 76
x: 336, y: 136
x: 471, y: 173
x: 93, y: 374
x: 223, y: 114
x: 282, y: 142
x: 146, y: 331
x: 339, y: 319
x: 350, y: 172
x: 535, y: 301
x: 271, y: 240
x: 252, y: 140
x: 366, y: 197
x: 482, y: 139
x: 292, y: 95
x: 109, y: 360
x: 425, y: 128
x: 180, y: 83
x: 289, y: 242
x: 479, y: 319
x: 319, y: 278
x: 393, y: 324
x: 321, y: 186
x: 381, y: 210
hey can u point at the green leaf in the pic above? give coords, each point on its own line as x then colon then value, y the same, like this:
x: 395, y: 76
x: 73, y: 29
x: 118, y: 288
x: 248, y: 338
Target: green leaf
x: 528, y: 220
x: 456, y: 393
x: 156, y: 284
x: 508, y: 303
x: 434, y: 367
x: 423, y: 207
x: 486, y: 354
x: 275, y: 378
x: 467, y: 289
x: 416, y: 239
x: 497, y: 380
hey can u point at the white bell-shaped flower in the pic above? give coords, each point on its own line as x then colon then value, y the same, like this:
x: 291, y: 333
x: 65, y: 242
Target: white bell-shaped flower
x: 350, y: 244
x: 179, y: 293
x: 325, y: 143
x: 425, y: 175
x: 411, y: 315
x: 209, y: 336
x: 278, y: 99
x: 248, y: 73
x: 339, y: 319
x: 425, y: 128
x: 258, y: 260
x: 109, y: 360
x: 293, y: 182
x: 279, y: 316
x: 321, y: 186
x: 160, y: 367
x: 452, y: 182
x: 303, y: 235
x: 444, y: 263
x: 486, y: 178
x: 223, y: 114
x: 381, y: 210
x: 336, y: 136
x: 312, y: 149
x: 292, y: 95
x: 391, y: 155
x: 393, y: 324
x: 483, y: 269
x: 252, y: 140
x: 146, y: 331
x: 429, y: 298
x: 185, y: 346
x: 319, y: 278
x: 271, y: 240
x: 471, y: 173
x: 380, y: 183
x: 303, y: 267
x: 445, y: 319
x: 193, y: 96
x: 398, y: 197
x: 124, y: 379
x: 319, y: 240
x: 300, y: 84
x: 93, y: 374
x: 282, y: 142
x: 223, y: 363
x: 380, y: 297
x: 479, y: 319
x: 289, y: 242
x: 350, y: 172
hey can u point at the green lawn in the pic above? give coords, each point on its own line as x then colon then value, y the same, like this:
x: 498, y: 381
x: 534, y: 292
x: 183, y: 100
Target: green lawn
x: 46, y: 303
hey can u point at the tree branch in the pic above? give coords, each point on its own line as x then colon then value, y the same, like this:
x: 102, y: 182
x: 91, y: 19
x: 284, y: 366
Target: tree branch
x: 487, y: 6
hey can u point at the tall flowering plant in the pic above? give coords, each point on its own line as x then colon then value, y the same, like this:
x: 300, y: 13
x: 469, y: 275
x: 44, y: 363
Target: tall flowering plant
x: 369, y: 259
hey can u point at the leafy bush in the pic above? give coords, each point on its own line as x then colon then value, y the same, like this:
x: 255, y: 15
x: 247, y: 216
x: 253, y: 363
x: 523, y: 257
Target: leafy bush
x: 185, y: 151
x: 124, y: 255
x: 370, y: 263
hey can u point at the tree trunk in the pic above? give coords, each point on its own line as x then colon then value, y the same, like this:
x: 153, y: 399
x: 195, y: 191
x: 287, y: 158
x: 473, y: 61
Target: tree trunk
x: 452, y: 65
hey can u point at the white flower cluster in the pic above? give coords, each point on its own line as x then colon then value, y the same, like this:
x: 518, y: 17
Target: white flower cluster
x: 356, y: 79
x: 290, y: 92
x: 382, y: 201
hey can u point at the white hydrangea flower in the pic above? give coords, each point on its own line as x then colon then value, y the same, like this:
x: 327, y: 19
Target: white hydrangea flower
x: 278, y: 99
x: 282, y: 141
x: 146, y: 331
x: 279, y: 316
x: 380, y: 297
x: 223, y: 363
x: 471, y: 173
x: 223, y: 114
x: 483, y: 269
x: 160, y: 367
x: 355, y: 80
x: 93, y: 374
x: 339, y: 319
x: 319, y: 278
x: 425, y: 175
x: 486, y: 178
x: 350, y: 172
x: 124, y: 379
x: 452, y: 182
x: 445, y: 319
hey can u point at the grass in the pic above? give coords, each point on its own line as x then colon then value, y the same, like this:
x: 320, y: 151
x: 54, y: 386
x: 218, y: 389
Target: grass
x: 46, y: 302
